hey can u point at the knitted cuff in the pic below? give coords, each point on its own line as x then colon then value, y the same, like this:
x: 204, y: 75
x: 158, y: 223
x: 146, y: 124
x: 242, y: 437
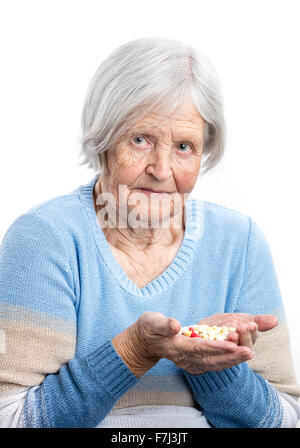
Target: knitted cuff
x: 209, y: 382
x: 109, y: 369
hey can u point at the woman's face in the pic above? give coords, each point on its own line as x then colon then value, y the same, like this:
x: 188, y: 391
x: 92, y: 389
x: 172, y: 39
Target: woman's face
x: 165, y: 159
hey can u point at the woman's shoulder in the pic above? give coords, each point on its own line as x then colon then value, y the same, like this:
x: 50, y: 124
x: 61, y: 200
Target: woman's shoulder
x: 70, y: 209
x: 63, y: 214
x: 220, y: 217
x: 231, y: 227
x: 59, y: 208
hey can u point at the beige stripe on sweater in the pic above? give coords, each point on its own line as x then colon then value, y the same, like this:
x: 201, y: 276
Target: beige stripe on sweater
x: 32, y: 352
x: 273, y: 359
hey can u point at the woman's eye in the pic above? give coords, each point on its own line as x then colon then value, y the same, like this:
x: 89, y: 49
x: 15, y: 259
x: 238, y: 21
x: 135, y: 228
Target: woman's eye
x: 184, y: 147
x: 138, y: 140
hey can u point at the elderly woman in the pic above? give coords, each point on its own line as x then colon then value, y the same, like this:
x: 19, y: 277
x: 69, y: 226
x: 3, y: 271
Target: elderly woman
x: 95, y: 285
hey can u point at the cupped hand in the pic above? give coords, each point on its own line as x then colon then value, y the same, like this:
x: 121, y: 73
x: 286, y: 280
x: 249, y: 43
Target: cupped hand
x: 154, y: 336
x: 159, y: 337
x: 246, y: 325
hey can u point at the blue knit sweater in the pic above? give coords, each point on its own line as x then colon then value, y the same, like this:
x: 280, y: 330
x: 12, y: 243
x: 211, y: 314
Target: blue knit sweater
x: 63, y: 297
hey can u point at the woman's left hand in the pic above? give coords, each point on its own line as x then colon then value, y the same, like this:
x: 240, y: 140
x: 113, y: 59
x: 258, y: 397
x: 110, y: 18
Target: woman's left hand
x: 246, y: 325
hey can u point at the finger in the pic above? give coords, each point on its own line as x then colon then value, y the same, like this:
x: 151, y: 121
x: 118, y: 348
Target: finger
x: 190, y: 349
x: 208, y: 347
x: 229, y: 360
x: 233, y: 337
x: 245, y: 336
x: 265, y: 322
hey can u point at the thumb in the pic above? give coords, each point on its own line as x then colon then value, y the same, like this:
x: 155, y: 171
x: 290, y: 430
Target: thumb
x: 160, y: 325
x: 174, y: 326
x: 265, y: 322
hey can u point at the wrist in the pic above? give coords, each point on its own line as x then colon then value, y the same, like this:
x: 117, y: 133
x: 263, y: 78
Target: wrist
x: 129, y: 346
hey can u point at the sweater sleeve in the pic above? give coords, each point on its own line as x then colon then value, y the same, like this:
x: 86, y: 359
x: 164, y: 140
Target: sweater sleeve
x: 252, y: 394
x: 38, y: 325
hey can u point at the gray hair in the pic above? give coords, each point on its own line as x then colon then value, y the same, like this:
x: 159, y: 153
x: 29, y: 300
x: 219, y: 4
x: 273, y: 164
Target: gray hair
x: 144, y: 75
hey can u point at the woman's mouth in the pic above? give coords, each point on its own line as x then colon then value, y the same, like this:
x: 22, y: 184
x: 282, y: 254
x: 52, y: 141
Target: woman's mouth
x: 149, y: 192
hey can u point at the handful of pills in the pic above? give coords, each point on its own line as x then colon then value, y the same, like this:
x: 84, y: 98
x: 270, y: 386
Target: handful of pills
x: 214, y: 333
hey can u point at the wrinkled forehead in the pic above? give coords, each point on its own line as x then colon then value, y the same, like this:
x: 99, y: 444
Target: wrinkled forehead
x: 160, y: 122
x: 153, y: 123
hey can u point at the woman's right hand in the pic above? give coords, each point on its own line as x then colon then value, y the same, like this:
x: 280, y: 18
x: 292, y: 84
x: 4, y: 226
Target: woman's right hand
x: 159, y: 338
x: 154, y: 336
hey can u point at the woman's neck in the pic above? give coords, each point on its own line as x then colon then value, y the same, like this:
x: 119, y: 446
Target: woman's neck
x: 147, y: 240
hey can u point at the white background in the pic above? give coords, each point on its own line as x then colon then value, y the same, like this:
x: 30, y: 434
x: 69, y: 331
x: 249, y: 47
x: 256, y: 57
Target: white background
x: 50, y: 49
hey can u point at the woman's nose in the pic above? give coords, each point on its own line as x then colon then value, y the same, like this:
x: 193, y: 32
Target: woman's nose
x: 160, y: 165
